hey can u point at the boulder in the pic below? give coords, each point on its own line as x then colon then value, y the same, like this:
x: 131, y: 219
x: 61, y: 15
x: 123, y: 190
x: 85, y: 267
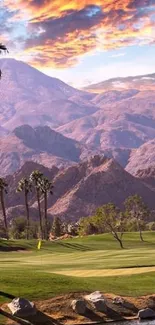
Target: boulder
x: 79, y: 306
x: 100, y: 305
x: 94, y: 295
x: 118, y: 301
x: 97, y: 300
x: 146, y: 313
x: 21, y: 307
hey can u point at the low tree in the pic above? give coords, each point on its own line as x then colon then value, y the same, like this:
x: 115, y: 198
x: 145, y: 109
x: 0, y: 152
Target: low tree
x: 136, y: 209
x: 18, y: 229
x: 25, y: 186
x: 36, y: 179
x: 3, y: 191
x: 56, y: 227
x: 88, y: 226
x: 46, y: 187
x: 113, y: 220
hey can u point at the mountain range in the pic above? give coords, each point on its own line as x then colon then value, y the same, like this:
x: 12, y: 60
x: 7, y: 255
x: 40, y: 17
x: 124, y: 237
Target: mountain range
x: 79, y: 189
x: 115, y: 121
x: 97, y: 144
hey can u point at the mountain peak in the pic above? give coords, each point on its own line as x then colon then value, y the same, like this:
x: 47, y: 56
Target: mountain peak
x: 30, y: 97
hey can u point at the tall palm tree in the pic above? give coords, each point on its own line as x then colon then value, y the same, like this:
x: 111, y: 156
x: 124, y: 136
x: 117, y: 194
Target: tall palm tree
x: 25, y: 186
x: 46, y: 187
x: 36, y: 178
x: 3, y: 190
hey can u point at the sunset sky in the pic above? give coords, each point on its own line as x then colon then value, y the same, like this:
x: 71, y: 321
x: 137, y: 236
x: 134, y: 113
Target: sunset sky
x: 81, y: 41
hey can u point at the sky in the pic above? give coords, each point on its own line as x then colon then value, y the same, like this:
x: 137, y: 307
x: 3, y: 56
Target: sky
x: 81, y: 41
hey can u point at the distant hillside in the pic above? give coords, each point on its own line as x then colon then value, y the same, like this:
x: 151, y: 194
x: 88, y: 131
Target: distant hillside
x: 125, y: 120
x: 142, y: 82
x: 42, y: 145
x: 79, y: 189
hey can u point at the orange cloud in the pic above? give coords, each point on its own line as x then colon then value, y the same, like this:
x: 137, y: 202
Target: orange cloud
x: 61, y: 31
x: 45, y: 9
x: 62, y: 52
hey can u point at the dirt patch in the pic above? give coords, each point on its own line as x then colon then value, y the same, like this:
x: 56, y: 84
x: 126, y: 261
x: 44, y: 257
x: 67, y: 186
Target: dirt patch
x: 58, y: 311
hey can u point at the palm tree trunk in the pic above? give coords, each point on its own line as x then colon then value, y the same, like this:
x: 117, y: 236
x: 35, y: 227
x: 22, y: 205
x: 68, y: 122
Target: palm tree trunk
x: 40, y: 216
x: 4, y: 214
x: 45, y: 215
x: 27, y: 215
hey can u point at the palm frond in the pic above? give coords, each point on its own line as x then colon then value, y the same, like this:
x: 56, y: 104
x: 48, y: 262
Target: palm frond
x: 3, y: 48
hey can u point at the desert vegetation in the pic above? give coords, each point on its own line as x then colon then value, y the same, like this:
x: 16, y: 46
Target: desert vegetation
x: 111, y: 219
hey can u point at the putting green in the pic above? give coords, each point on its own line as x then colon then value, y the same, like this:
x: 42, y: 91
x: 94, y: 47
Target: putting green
x: 79, y: 264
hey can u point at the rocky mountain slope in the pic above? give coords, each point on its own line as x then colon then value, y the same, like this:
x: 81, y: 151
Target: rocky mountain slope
x: 123, y: 123
x: 147, y: 176
x: 142, y: 158
x: 80, y: 189
x: 30, y: 97
x: 42, y: 145
x: 143, y: 82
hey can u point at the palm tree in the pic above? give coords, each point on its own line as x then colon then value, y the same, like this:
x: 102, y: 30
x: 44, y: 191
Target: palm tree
x: 46, y: 187
x: 3, y: 48
x: 36, y: 178
x: 3, y: 189
x: 25, y: 186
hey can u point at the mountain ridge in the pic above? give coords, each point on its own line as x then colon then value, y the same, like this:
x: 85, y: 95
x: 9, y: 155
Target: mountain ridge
x: 108, y: 83
x: 40, y: 144
x: 80, y: 189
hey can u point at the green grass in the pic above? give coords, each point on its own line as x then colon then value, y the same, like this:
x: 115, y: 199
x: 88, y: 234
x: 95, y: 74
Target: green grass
x: 32, y: 273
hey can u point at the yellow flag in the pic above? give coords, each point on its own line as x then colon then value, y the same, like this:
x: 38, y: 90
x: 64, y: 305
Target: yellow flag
x: 39, y: 244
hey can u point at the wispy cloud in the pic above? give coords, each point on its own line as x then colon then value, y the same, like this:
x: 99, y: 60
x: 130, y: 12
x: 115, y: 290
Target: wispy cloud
x: 117, y: 55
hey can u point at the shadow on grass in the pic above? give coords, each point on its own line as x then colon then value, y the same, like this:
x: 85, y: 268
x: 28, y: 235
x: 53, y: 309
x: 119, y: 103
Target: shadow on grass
x: 75, y: 246
x: 12, y: 249
x: 135, y: 266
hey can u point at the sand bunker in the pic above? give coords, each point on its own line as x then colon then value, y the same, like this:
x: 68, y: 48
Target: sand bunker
x: 106, y: 272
